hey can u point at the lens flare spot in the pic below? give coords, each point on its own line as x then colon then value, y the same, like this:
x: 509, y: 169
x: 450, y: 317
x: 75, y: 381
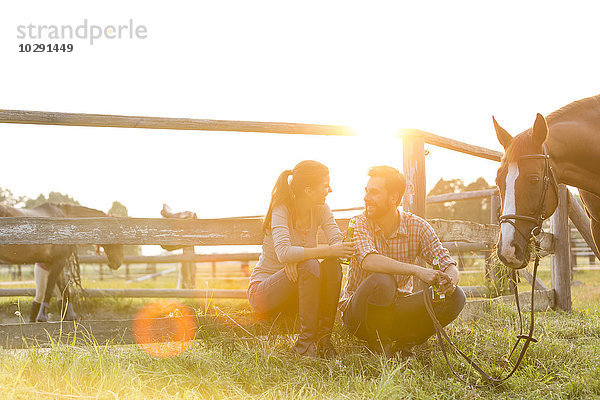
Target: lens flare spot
x: 164, y: 329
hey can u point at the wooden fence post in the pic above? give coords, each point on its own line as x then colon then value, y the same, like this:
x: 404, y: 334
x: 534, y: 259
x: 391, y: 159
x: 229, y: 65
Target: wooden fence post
x: 561, y: 260
x: 414, y: 200
x: 573, y: 257
x: 245, y: 268
x: 492, y: 272
x: 581, y: 221
x: 187, y: 273
x: 151, y: 269
x: 413, y: 157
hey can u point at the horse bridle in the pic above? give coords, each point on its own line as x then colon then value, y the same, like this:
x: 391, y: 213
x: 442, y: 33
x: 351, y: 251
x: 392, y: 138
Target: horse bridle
x: 549, y: 179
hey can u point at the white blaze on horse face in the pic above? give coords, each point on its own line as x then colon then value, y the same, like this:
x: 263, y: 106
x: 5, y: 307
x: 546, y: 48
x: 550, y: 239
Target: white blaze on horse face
x: 510, y: 207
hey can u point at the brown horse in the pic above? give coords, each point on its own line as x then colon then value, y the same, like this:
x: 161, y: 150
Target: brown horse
x: 54, y: 256
x: 562, y: 148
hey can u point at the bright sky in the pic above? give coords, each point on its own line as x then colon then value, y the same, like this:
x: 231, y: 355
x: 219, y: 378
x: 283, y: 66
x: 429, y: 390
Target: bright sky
x: 445, y: 67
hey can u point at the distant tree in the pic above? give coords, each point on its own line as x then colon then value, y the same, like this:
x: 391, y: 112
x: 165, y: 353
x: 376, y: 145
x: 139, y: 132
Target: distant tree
x: 118, y: 209
x: 8, y: 198
x: 53, y: 197
x: 444, y: 210
x: 475, y: 210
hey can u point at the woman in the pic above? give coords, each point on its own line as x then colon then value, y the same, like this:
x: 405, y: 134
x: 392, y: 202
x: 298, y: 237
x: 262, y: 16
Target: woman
x: 288, y: 275
x: 40, y: 276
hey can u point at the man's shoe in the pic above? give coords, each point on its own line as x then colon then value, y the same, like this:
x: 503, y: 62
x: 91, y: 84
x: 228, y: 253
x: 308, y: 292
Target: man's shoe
x: 326, y: 349
x: 405, y: 351
x: 383, y: 346
x: 309, y: 350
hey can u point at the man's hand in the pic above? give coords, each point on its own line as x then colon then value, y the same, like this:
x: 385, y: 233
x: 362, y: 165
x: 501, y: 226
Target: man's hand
x: 446, y: 287
x: 432, y: 276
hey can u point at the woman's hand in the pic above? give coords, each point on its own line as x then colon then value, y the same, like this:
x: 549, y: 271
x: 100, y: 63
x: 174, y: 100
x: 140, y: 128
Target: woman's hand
x: 291, y: 271
x: 343, y: 249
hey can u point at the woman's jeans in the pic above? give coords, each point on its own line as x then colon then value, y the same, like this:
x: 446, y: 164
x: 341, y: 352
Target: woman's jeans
x: 314, y: 296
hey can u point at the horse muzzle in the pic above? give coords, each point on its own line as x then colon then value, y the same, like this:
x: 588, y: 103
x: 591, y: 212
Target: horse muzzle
x: 114, y: 265
x: 514, y: 256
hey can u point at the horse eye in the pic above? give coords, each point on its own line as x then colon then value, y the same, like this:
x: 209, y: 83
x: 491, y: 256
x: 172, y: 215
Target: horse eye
x: 534, y: 179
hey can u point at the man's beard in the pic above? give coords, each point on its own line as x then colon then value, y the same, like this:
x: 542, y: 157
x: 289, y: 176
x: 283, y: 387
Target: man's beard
x: 377, y: 210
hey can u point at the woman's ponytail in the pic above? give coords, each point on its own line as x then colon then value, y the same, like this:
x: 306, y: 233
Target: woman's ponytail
x: 281, y: 194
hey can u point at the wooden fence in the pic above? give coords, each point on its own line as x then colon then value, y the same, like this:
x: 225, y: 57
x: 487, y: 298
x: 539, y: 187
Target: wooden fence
x: 238, y: 231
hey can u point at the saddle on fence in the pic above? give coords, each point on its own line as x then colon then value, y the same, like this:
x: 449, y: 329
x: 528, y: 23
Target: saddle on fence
x: 167, y: 212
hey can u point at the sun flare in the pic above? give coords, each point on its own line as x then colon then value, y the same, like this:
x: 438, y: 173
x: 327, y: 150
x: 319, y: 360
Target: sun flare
x: 375, y: 128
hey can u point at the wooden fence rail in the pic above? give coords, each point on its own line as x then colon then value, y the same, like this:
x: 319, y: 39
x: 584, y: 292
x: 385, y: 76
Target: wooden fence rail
x: 474, y: 194
x: 453, y: 247
x: 200, y: 232
x: 472, y: 291
x: 122, y: 121
x: 117, y: 332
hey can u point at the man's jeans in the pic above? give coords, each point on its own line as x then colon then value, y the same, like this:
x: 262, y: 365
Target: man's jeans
x: 405, y: 320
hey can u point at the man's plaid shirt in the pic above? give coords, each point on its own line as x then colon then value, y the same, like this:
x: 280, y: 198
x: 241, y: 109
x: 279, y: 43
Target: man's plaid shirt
x: 413, y: 238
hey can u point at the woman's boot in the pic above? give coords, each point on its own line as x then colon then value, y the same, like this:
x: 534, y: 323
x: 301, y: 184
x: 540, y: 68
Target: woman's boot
x: 331, y: 273
x: 308, y: 308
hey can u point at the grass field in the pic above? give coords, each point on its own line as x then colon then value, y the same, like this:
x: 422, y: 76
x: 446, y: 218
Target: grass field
x: 564, y: 364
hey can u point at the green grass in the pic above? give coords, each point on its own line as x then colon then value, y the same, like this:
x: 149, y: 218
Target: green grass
x: 565, y: 364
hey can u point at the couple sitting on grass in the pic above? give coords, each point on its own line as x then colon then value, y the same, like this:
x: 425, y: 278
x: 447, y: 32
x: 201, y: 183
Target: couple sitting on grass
x: 378, y: 303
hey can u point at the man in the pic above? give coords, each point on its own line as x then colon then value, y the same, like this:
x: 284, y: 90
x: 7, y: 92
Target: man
x: 378, y: 303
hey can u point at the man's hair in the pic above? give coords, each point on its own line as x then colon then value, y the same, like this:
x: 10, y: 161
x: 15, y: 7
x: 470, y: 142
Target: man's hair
x: 395, y: 182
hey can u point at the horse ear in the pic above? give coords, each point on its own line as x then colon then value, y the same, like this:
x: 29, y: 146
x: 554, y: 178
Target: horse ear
x: 503, y: 136
x: 540, y: 130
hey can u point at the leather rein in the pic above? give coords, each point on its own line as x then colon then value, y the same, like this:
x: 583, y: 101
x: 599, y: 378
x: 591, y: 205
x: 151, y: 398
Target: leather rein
x: 549, y: 180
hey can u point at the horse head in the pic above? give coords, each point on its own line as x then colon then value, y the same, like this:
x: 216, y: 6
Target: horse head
x: 114, y: 253
x: 527, y: 189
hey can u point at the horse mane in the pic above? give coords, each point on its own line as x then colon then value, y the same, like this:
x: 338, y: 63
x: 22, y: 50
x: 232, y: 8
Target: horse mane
x: 561, y: 113
x: 523, y: 144
x: 72, y: 210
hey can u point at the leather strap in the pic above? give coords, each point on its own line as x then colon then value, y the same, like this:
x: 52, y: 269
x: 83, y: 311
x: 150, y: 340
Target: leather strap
x: 528, y: 338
